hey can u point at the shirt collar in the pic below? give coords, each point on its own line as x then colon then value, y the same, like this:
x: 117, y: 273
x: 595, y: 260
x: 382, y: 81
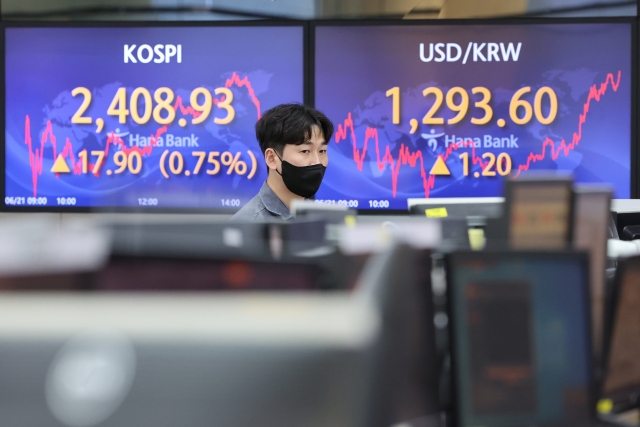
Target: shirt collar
x: 273, y: 203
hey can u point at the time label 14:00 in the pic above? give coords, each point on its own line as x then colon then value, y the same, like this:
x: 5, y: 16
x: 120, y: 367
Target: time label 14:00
x: 457, y: 100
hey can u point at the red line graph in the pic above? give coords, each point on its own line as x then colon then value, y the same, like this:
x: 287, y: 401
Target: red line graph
x: 36, y: 157
x: 236, y: 80
x: 408, y: 157
x: 595, y: 93
x: 233, y: 80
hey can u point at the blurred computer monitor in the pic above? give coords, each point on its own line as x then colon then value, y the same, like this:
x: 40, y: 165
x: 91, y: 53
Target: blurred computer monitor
x: 331, y: 213
x: 191, y: 239
x: 592, y: 216
x: 248, y: 240
x: 41, y: 253
x: 180, y: 256
x: 625, y: 213
x: 455, y: 234
x: 520, y: 338
x: 622, y: 368
x: 538, y: 212
x: 225, y: 256
x: 463, y: 219
x: 406, y: 386
x: 463, y: 207
x: 342, y: 358
x: 178, y: 274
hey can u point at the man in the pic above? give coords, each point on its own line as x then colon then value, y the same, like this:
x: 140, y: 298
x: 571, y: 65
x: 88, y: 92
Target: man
x: 293, y: 139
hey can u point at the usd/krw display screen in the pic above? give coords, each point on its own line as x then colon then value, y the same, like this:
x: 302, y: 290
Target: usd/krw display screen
x: 452, y: 110
x: 128, y: 117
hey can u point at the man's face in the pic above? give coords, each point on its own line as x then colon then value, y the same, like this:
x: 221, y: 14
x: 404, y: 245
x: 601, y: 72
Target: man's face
x: 310, y: 153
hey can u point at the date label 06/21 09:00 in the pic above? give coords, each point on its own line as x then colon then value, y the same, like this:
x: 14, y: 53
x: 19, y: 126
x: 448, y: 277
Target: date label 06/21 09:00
x: 22, y: 201
x: 354, y: 204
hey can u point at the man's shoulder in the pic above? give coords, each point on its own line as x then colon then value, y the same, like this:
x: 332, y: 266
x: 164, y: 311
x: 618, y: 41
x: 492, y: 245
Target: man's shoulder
x: 252, y: 211
x: 264, y: 206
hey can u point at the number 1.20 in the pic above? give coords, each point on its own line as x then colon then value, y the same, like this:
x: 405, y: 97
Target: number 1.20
x: 502, y: 164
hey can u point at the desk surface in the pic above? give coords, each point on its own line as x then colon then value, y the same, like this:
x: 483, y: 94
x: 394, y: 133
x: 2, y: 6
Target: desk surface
x: 625, y: 205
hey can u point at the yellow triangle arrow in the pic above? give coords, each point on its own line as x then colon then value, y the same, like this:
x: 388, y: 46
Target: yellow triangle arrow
x: 60, y: 165
x: 440, y: 167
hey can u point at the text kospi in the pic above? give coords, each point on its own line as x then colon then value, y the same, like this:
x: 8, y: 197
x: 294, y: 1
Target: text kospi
x: 160, y: 53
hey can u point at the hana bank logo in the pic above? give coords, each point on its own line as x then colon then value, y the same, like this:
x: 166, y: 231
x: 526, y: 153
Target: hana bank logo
x: 432, y: 138
x: 120, y: 134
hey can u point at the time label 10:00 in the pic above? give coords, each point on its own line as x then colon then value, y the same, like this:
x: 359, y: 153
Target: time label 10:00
x: 457, y: 100
x: 141, y: 107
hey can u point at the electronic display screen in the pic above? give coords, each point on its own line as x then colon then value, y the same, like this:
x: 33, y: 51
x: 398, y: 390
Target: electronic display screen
x: 159, y: 117
x: 452, y: 110
x: 521, y: 339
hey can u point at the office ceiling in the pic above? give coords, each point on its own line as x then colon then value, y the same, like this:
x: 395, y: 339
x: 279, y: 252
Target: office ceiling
x: 306, y: 9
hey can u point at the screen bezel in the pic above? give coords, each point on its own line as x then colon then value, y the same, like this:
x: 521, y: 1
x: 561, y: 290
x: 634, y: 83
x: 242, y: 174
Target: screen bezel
x: 598, y: 283
x: 621, y: 398
x: 635, y: 64
x: 4, y: 25
x: 451, y: 261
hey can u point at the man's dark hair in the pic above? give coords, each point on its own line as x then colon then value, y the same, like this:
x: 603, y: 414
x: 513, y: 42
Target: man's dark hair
x: 290, y: 124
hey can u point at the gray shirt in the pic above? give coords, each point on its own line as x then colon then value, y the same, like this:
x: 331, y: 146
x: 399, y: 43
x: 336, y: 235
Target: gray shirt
x: 265, y: 206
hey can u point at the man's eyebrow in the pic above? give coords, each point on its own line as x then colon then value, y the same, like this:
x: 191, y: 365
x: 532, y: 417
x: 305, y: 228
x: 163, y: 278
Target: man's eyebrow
x: 309, y: 142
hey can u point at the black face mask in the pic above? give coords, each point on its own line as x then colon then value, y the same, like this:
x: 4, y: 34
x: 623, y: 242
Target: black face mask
x: 302, y: 180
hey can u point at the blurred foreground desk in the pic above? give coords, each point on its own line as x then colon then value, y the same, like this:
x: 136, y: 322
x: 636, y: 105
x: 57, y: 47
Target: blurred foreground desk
x: 207, y: 359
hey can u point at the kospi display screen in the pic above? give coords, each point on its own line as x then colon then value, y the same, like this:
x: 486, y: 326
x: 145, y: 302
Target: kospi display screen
x: 142, y: 116
x: 452, y: 110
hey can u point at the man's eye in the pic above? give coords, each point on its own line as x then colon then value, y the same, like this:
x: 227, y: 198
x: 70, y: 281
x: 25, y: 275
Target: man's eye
x: 305, y: 151
x: 323, y: 151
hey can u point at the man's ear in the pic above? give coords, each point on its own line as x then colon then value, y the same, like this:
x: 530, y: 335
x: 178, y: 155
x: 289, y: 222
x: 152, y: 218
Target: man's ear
x: 271, y: 158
